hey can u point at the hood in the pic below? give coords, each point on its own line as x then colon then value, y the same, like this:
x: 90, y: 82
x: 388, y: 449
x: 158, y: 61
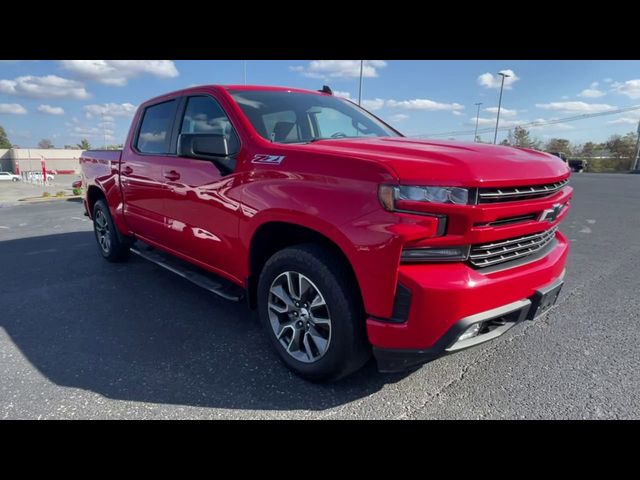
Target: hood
x: 451, y: 163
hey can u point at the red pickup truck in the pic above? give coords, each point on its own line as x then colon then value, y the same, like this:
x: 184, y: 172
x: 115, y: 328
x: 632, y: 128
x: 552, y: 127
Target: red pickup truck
x: 349, y: 238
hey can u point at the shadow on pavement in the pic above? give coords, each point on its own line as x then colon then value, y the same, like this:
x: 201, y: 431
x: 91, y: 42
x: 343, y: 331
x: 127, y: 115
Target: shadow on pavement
x: 134, y: 331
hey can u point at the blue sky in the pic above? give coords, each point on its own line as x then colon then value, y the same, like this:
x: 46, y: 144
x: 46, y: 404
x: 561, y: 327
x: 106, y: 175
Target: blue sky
x: 67, y: 100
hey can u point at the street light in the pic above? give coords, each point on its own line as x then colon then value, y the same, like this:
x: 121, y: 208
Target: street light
x: 475, y: 135
x: 360, y: 89
x: 504, y: 75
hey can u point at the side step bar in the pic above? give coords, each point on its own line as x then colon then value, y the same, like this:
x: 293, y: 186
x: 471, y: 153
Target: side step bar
x: 219, y: 286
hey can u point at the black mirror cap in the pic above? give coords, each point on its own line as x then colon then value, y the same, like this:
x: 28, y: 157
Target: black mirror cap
x: 206, y: 145
x: 210, y: 146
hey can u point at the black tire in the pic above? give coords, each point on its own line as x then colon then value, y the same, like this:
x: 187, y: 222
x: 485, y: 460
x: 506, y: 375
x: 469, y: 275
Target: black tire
x: 111, y: 244
x: 14, y: 179
x: 348, y: 348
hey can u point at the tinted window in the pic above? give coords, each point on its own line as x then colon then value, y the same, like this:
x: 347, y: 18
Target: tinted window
x: 155, y: 130
x: 287, y: 117
x: 205, y: 115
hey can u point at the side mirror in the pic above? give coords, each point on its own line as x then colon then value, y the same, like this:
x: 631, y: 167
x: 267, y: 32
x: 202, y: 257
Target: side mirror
x: 209, y: 146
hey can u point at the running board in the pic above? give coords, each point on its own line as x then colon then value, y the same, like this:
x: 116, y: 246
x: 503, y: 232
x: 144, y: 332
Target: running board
x: 219, y: 286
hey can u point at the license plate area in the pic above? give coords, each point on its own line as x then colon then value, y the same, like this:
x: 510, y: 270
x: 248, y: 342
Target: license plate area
x: 544, y: 299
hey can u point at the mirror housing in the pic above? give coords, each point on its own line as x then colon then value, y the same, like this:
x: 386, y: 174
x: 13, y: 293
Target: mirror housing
x: 209, y: 146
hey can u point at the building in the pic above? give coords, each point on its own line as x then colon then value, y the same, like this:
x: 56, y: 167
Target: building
x: 19, y: 160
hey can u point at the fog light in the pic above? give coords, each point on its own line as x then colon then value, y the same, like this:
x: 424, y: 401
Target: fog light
x: 470, y: 332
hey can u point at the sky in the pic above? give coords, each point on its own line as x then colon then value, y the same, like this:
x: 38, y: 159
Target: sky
x: 68, y: 100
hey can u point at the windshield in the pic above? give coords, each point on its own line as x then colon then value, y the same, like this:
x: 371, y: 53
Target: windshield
x: 294, y: 117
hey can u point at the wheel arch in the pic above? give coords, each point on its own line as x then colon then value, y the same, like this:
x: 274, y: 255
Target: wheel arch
x: 275, y: 235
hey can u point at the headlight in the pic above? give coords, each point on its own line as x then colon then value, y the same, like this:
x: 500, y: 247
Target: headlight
x: 389, y: 194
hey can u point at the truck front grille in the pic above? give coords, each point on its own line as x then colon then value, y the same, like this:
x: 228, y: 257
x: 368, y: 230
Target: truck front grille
x: 488, y: 254
x: 492, y: 195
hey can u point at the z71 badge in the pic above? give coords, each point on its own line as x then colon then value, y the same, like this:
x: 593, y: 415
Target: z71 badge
x: 268, y: 159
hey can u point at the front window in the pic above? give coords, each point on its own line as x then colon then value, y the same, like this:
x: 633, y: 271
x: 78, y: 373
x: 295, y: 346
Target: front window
x: 294, y: 117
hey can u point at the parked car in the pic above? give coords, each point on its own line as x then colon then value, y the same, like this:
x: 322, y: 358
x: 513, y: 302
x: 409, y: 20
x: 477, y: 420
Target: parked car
x: 38, y: 176
x: 577, y: 165
x: 349, y: 238
x: 9, y: 177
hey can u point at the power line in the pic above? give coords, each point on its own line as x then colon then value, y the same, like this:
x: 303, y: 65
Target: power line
x: 531, y: 124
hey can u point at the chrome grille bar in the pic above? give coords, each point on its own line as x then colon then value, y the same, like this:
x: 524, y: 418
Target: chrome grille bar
x: 488, y: 254
x: 486, y: 195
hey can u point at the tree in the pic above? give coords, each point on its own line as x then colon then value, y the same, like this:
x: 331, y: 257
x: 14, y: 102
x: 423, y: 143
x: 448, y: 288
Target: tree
x: 589, y: 149
x: 559, y: 145
x: 522, y: 138
x: 45, y: 143
x: 4, y: 140
x: 84, y: 144
x: 622, y: 147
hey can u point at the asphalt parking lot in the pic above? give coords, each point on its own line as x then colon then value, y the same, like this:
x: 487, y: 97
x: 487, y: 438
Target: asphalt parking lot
x: 82, y: 338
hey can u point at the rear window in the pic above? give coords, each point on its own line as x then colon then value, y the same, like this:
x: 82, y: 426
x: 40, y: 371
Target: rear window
x: 155, y: 130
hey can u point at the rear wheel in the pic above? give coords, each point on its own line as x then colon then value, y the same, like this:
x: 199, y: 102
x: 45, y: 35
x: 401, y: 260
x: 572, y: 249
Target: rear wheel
x: 310, y: 309
x: 112, y: 246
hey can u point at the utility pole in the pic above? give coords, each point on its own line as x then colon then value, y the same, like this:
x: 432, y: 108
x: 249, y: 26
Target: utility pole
x: 637, y: 156
x: 245, y: 71
x: 475, y: 135
x: 360, y: 89
x: 495, y: 136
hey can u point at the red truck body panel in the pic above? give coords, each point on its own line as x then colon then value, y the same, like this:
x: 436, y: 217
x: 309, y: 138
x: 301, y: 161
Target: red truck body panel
x: 331, y: 187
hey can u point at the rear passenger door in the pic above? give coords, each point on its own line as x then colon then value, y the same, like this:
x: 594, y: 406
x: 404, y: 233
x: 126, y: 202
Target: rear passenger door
x: 202, y: 207
x: 142, y: 171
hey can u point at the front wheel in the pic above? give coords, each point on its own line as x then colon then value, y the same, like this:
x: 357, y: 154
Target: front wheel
x: 310, y: 309
x: 112, y: 247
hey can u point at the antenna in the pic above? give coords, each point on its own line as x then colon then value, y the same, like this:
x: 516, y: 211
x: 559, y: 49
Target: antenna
x: 326, y: 89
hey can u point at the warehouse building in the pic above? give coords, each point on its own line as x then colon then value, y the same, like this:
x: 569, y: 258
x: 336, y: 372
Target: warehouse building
x: 18, y: 160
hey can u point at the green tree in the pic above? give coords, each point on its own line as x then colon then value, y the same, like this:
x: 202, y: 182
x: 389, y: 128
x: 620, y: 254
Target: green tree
x: 589, y: 149
x: 522, y: 138
x: 4, y: 140
x: 559, y: 145
x: 45, y: 143
x: 622, y: 146
x: 84, y: 144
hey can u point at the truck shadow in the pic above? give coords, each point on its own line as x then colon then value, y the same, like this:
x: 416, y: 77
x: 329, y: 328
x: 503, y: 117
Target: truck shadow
x: 136, y: 332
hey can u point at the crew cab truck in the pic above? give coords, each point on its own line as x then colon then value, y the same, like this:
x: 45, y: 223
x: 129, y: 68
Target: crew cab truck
x: 349, y: 238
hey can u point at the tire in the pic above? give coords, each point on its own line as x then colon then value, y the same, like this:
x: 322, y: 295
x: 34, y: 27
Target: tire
x: 14, y: 179
x: 307, y: 345
x: 112, y: 245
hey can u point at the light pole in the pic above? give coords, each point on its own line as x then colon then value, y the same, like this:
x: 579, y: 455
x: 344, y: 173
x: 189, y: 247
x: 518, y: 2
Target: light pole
x: 475, y: 135
x: 504, y: 75
x: 244, y: 63
x: 360, y: 89
x: 637, y: 156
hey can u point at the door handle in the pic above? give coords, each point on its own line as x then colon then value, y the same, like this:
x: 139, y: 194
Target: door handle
x: 172, y: 175
x: 127, y: 170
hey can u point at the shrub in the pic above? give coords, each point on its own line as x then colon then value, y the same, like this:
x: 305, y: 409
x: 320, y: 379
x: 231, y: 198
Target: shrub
x: 46, y: 194
x: 60, y: 194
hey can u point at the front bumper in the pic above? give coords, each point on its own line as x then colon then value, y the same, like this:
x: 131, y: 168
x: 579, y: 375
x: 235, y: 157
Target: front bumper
x: 446, y: 298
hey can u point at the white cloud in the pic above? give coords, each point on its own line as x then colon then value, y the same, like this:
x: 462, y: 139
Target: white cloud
x: 592, y: 91
x: 119, y: 72
x: 423, y: 104
x: 630, y: 118
x: 49, y: 110
x: 492, y: 121
x: 575, y: 107
x: 49, y: 86
x: 630, y: 88
x: 339, y: 93
x: 608, y: 80
x: 457, y: 112
x: 326, y: 69
x: 489, y: 80
x: 93, y: 132
x: 398, y: 117
x: 110, y: 110
x: 504, y: 112
x: 375, y: 104
x: 12, y: 109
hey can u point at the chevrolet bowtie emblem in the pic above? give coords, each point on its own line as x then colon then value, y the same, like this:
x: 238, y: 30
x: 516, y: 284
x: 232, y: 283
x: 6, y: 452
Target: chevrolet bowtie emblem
x: 550, y: 214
